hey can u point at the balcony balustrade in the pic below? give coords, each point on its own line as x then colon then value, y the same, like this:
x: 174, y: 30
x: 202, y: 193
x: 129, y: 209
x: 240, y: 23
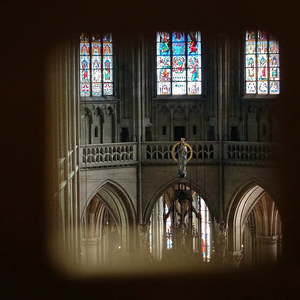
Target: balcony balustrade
x: 204, y: 152
x: 160, y: 152
x: 104, y: 155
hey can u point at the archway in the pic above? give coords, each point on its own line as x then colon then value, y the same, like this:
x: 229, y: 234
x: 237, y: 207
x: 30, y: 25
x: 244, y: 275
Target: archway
x: 107, y: 230
x: 180, y: 221
x: 254, y: 227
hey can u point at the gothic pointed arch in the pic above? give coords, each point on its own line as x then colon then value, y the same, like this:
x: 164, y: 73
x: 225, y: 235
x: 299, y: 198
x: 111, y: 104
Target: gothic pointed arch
x: 180, y: 223
x: 108, y: 220
x: 254, y: 225
x: 156, y: 195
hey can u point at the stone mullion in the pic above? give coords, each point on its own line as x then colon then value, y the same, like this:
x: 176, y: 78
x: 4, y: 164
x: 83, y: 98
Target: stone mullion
x: 66, y: 116
x: 147, y: 72
x: 75, y: 157
x: 171, y: 123
x: 220, y: 120
x: 187, y: 122
x: 226, y: 94
x: 60, y: 137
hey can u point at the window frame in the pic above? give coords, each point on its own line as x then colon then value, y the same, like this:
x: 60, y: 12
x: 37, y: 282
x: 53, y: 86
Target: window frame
x: 204, y: 52
x: 115, y: 96
x: 243, y: 93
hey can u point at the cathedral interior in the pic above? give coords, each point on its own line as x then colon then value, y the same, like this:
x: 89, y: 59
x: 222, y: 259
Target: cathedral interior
x: 154, y: 162
x: 164, y: 163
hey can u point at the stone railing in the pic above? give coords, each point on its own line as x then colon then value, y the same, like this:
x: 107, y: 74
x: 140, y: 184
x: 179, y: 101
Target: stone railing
x: 160, y: 152
x: 107, y: 155
x: 120, y: 154
x: 247, y: 152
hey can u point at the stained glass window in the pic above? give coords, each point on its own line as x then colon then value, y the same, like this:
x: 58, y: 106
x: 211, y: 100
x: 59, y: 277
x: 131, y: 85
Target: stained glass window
x: 178, y: 63
x: 261, y: 64
x: 96, y: 65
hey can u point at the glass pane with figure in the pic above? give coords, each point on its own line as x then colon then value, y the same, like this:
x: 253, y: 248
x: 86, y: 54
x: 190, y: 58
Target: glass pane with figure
x: 163, y: 88
x: 178, y: 62
x: 163, y: 62
x: 108, y: 89
x: 96, y: 62
x: 262, y: 60
x: 250, y: 74
x: 274, y: 74
x: 107, y: 48
x: 194, y: 48
x: 251, y: 87
x: 163, y: 75
x: 163, y: 49
x: 273, y: 47
x: 194, y: 88
x: 107, y: 75
x: 178, y: 48
x: 178, y: 37
x: 85, y: 75
x: 84, y: 62
x: 262, y: 73
x: 179, y: 88
x: 262, y: 87
x: 274, y: 60
x: 84, y: 48
x: 194, y: 62
x: 250, y: 60
x: 97, y: 75
x: 274, y: 87
x: 163, y: 37
x: 194, y: 74
x: 250, y: 47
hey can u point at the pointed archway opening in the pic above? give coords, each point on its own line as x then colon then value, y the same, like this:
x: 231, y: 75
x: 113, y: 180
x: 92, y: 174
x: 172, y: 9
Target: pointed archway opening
x: 180, y: 223
x: 107, y: 227
x: 254, y: 227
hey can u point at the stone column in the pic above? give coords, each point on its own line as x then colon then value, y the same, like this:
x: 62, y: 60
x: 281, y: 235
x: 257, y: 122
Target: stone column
x: 267, y: 249
x: 89, y: 252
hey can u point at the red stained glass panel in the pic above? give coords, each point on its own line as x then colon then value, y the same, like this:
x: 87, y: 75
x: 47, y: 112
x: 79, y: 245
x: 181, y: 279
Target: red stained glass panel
x: 84, y: 49
x: 96, y: 48
x: 164, y: 74
x: 107, y: 48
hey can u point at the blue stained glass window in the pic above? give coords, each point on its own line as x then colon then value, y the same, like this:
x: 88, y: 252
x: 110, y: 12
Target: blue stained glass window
x: 96, y: 65
x: 178, y: 63
x: 261, y: 64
